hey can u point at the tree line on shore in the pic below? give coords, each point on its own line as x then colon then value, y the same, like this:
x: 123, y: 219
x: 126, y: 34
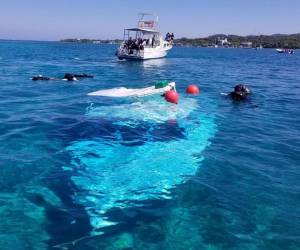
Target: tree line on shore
x: 96, y: 41
x: 266, y: 41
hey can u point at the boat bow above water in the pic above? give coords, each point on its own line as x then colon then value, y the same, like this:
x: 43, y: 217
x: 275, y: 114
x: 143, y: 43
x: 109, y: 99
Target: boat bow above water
x: 159, y: 88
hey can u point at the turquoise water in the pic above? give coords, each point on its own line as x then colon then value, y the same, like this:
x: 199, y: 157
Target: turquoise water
x: 80, y: 172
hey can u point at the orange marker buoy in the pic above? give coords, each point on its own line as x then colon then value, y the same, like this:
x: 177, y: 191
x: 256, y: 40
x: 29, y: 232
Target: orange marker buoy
x: 193, y: 89
x: 172, y: 96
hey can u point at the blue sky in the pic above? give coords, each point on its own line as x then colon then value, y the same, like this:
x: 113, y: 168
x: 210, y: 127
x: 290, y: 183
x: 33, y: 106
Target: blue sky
x: 57, y: 19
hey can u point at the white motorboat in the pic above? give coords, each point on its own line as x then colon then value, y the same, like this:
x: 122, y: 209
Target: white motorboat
x: 290, y: 51
x: 145, y: 41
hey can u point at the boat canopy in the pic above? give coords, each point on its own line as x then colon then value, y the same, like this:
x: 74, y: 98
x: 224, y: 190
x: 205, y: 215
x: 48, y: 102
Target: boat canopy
x: 143, y: 30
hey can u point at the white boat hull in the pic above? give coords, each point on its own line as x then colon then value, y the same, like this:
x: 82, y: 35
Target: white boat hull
x: 147, y: 53
x: 124, y: 92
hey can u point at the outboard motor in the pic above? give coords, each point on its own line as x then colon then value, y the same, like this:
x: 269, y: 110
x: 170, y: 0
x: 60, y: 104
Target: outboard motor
x: 241, y: 92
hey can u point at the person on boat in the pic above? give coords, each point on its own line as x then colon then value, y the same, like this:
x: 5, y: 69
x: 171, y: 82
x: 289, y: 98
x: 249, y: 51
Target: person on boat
x: 135, y: 45
x: 153, y: 41
x: 147, y: 42
x: 129, y: 43
x: 144, y: 42
x: 168, y: 36
x: 240, y: 92
x: 139, y: 44
x: 172, y: 36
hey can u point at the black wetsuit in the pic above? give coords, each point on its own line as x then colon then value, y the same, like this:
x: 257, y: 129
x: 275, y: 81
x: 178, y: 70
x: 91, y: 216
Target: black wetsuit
x: 238, y: 96
x: 83, y: 76
x: 67, y: 76
x: 38, y: 78
x: 241, y: 92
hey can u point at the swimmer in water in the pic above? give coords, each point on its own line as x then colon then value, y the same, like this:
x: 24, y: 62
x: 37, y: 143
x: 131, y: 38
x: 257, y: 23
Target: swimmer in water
x: 240, y: 92
x: 67, y: 77
x: 40, y: 77
x: 83, y: 76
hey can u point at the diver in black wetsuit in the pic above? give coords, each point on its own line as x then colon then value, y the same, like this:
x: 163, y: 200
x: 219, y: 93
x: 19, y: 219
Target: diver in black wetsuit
x: 40, y: 77
x: 67, y: 77
x: 83, y: 76
x: 241, y: 92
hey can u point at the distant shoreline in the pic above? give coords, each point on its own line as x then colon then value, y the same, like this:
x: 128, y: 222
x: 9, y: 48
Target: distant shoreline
x: 291, y: 41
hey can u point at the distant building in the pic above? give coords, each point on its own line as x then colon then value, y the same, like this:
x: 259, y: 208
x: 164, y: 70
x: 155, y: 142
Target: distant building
x: 246, y: 44
x: 223, y: 42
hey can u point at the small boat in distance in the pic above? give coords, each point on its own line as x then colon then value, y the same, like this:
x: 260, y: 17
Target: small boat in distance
x: 145, y: 41
x: 290, y: 51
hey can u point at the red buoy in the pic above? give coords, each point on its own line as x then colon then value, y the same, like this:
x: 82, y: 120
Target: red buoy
x: 192, y: 89
x: 172, y: 96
